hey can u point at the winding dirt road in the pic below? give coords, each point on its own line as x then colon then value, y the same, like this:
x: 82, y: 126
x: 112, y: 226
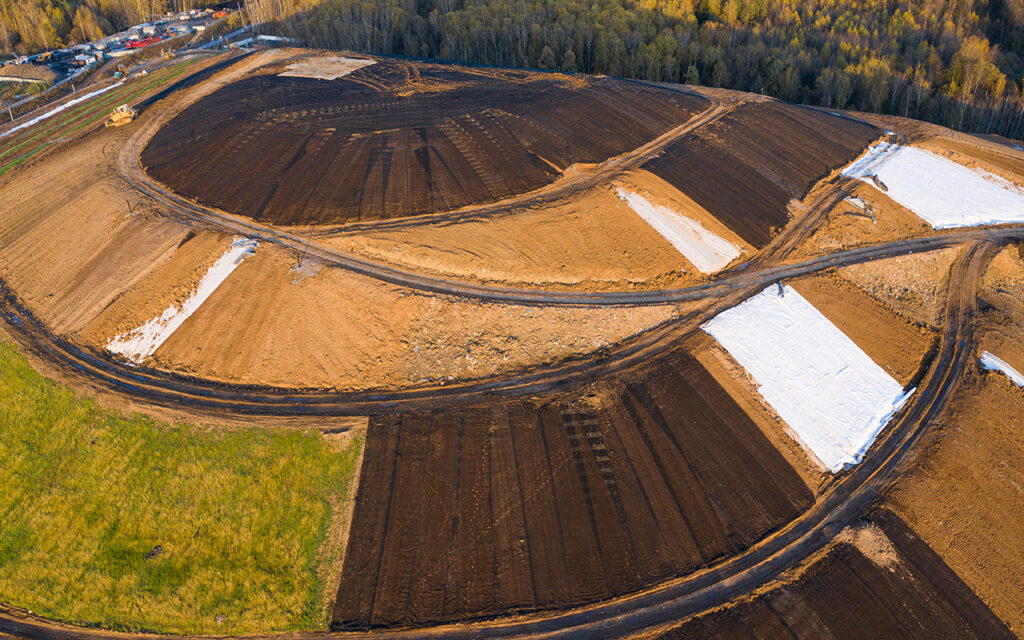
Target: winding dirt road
x: 843, y: 503
x: 846, y: 500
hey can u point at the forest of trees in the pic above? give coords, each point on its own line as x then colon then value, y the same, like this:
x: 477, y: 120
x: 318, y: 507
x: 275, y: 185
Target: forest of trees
x: 955, y: 62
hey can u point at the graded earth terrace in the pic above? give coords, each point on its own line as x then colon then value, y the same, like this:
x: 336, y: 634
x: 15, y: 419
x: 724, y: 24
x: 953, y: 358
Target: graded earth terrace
x: 426, y: 350
x: 396, y: 139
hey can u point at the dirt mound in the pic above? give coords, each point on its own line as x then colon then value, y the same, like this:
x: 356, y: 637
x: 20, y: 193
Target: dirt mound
x: 399, y: 138
x: 745, y: 167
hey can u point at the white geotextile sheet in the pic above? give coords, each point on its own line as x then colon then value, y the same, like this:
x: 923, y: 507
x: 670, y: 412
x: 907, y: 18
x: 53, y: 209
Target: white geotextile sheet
x: 943, y: 193
x: 834, y: 398
x: 993, y: 363
x: 138, y: 344
x: 705, y: 250
x: 325, y: 68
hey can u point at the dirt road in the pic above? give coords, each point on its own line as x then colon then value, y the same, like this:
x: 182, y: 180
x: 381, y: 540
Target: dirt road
x: 850, y: 495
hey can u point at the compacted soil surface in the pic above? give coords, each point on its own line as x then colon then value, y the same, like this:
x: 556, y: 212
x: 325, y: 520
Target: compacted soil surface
x: 878, y: 581
x: 530, y: 505
x: 746, y: 167
x: 399, y: 138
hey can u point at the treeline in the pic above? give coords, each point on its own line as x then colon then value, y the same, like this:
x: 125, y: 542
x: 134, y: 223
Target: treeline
x: 955, y: 62
x: 30, y: 26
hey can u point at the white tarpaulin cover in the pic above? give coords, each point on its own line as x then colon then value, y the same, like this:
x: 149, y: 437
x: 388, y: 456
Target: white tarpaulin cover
x: 138, y: 344
x: 704, y: 249
x: 942, y: 192
x: 831, y: 394
x: 993, y: 363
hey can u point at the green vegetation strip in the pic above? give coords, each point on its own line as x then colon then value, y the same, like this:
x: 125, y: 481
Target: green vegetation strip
x: 92, y: 105
x: 240, y: 515
x: 89, y: 121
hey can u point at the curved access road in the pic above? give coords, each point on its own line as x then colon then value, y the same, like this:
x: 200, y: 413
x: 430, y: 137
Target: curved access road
x: 171, y: 389
x: 843, y: 503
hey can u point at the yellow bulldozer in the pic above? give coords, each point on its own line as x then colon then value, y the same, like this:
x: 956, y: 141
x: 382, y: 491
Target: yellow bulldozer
x: 121, y: 116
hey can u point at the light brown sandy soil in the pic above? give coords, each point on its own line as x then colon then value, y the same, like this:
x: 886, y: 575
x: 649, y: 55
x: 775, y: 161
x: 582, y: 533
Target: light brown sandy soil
x: 846, y: 227
x: 891, y: 341
x: 1003, y: 294
x: 592, y: 241
x: 981, y: 154
x: 68, y: 245
x: 913, y: 286
x: 170, y: 282
x: 731, y: 375
x: 965, y: 495
x: 660, y: 192
x: 268, y: 324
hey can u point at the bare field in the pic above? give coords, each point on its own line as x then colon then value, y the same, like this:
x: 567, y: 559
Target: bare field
x: 530, y: 505
x: 980, y: 154
x: 404, y: 138
x: 965, y: 493
x: 892, y: 342
x: 913, y: 286
x: 746, y: 167
x: 328, y: 328
x: 590, y: 241
x: 878, y: 580
x: 68, y: 244
x: 593, y: 241
x: 1003, y: 293
x: 845, y: 226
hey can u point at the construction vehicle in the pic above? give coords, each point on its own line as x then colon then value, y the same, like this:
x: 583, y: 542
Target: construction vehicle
x: 121, y: 116
x: 169, y: 55
x: 121, y: 72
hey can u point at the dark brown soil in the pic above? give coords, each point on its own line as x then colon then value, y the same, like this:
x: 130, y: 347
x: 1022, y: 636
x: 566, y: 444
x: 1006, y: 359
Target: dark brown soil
x: 530, y: 505
x: 399, y: 138
x: 846, y: 595
x: 745, y: 167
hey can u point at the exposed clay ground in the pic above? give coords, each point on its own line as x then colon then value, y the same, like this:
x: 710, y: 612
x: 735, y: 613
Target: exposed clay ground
x: 589, y: 241
x: 878, y: 580
x: 401, y: 139
x: 69, y: 246
x: 966, y: 492
x: 509, y: 506
x: 323, y: 327
x: 912, y: 286
x: 775, y: 151
x: 891, y: 341
x: 845, y: 226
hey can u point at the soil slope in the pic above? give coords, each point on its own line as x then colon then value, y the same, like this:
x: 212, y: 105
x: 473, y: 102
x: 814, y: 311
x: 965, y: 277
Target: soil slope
x: 399, y: 138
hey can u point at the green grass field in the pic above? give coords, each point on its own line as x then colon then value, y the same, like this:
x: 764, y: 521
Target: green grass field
x: 241, y: 515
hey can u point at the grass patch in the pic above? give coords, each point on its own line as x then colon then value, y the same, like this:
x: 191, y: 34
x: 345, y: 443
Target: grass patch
x: 102, y: 102
x: 240, y: 515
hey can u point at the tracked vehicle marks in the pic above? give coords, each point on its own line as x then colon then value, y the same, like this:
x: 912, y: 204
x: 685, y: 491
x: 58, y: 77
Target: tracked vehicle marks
x: 844, y: 594
x: 398, y: 139
x: 746, y: 167
x: 526, y: 506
